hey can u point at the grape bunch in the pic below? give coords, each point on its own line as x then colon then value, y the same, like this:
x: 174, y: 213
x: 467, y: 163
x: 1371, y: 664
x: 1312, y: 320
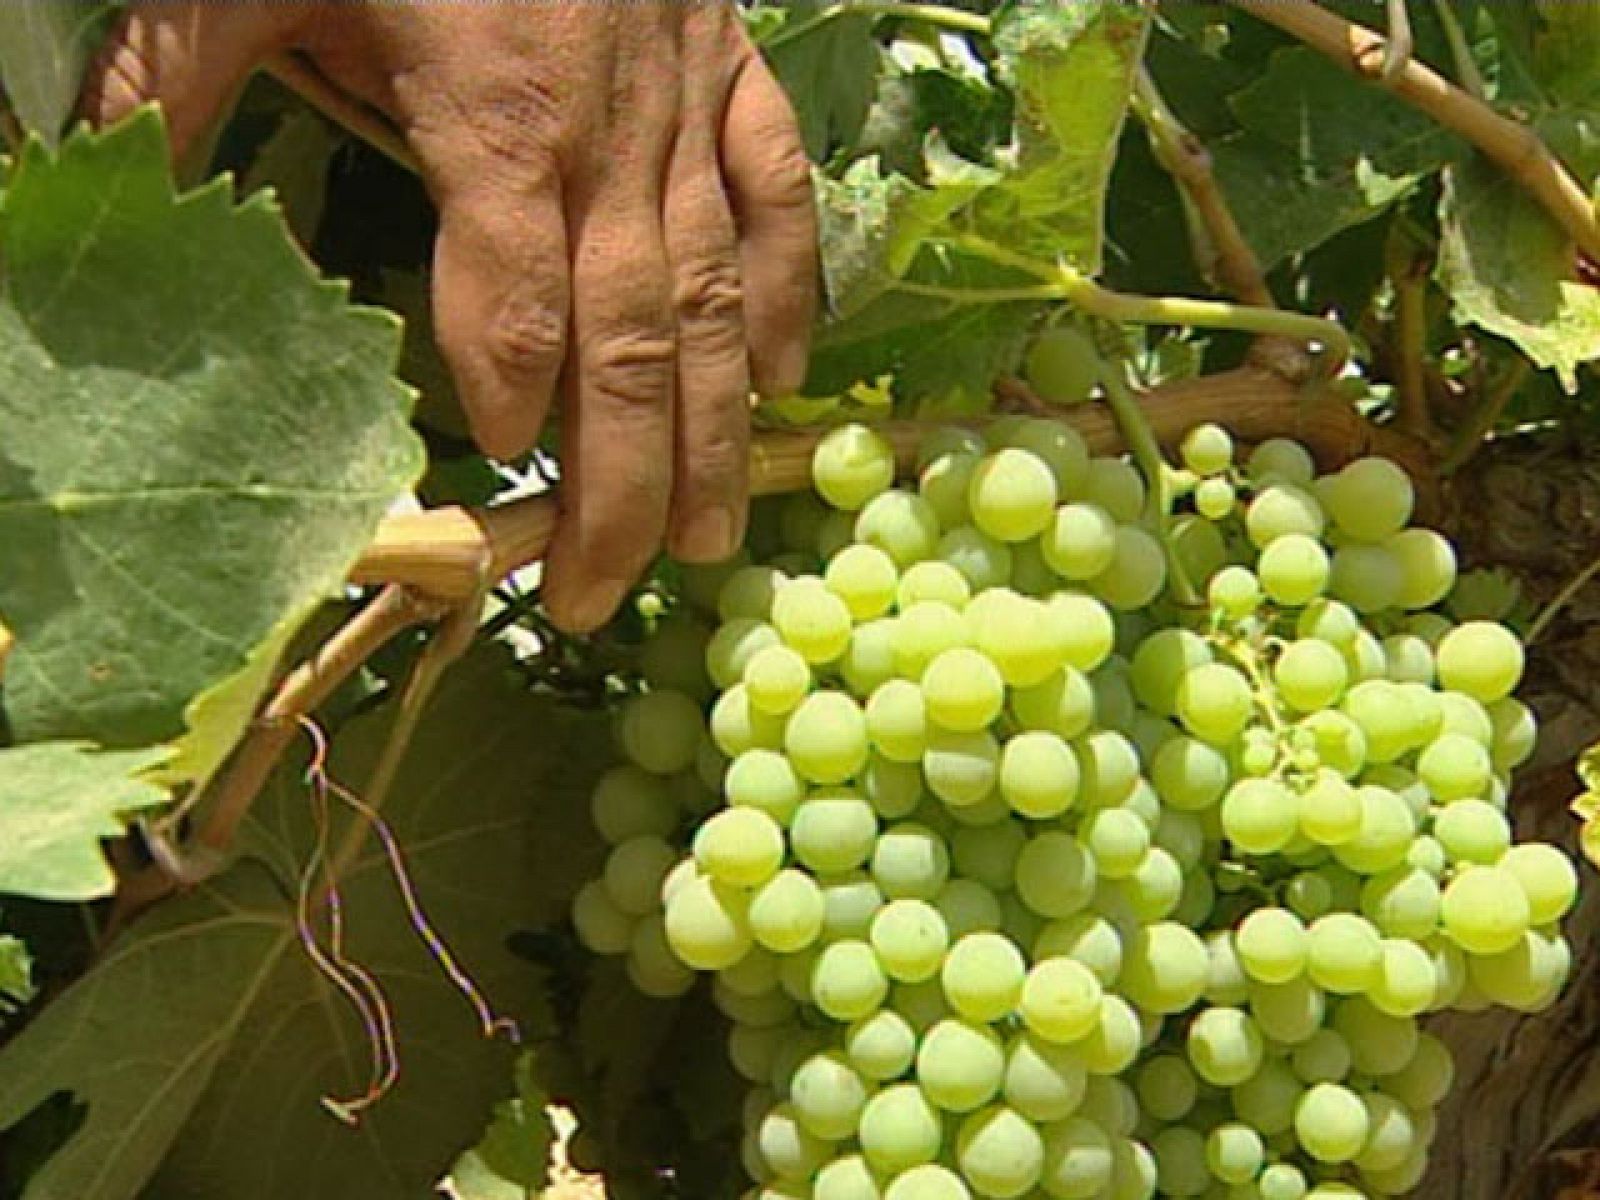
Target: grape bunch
x: 1043, y: 843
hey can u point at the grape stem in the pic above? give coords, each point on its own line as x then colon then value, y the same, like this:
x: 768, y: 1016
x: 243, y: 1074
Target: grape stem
x: 1511, y: 145
x: 1469, y: 436
x: 228, y: 798
x: 1220, y: 248
x: 1400, y: 44
x: 1250, y: 663
x: 929, y: 14
x: 1560, y: 600
x: 1467, y: 73
x: 1090, y: 297
x: 1100, y: 301
x: 995, y: 295
x: 1409, y: 268
x: 438, y: 552
x: 1146, y: 454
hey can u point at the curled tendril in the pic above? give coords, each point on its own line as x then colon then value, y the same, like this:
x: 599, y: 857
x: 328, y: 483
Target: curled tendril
x: 365, y: 993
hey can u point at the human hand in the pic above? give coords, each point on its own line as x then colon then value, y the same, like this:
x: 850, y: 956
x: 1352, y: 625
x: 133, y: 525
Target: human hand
x: 625, y: 220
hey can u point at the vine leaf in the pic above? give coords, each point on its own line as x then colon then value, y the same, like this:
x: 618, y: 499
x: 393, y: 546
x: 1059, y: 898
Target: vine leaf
x: 1587, y: 806
x: 1508, y: 268
x: 1565, y: 50
x: 295, y: 163
x: 873, y: 224
x: 1506, y: 265
x: 44, y: 47
x: 474, y: 1179
x: 197, y: 437
x: 830, y: 72
x: 214, y: 1089
x: 1319, y: 151
x: 942, y: 353
x: 1071, y: 66
x: 514, y: 1153
x: 57, y: 801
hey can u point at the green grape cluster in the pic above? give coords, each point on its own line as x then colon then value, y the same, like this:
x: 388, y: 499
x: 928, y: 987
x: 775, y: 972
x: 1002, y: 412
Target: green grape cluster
x: 1039, y: 849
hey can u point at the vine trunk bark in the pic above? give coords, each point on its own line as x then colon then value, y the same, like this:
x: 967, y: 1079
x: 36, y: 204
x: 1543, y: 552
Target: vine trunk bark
x: 1523, y: 1122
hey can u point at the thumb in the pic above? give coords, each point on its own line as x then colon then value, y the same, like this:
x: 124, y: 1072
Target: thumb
x: 192, y: 58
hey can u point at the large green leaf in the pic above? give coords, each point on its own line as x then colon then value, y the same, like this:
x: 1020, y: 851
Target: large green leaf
x: 1567, y: 113
x: 514, y: 1152
x: 57, y: 801
x: 873, y: 225
x: 197, y: 436
x: 1319, y: 151
x: 1071, y: 67
x: 934, y: 348
x: 294, y: 162
x: 1566, y: 51
x: 1508, y: 267
x: 44, y: 46
x: 203, y: 1040
x: 880, y: 229
x: 829, y: 67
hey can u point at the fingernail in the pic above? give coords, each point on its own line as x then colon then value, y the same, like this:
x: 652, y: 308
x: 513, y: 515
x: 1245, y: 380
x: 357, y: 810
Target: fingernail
x: 791, y: 367
x: 708, y: 537
x: 585, y: 610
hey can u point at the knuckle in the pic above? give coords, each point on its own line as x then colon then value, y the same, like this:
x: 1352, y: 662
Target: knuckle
x: 633, y: 368
x: 717, y: 460
x: 784, y: 175
x: 511, y: 119
x: 527, y: 336
x: 709, y: 293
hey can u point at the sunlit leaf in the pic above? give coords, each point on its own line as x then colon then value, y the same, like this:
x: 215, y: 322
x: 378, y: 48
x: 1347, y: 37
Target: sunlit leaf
x: 197, y: 438
x: 58, y: 802
x: 204, y: 1039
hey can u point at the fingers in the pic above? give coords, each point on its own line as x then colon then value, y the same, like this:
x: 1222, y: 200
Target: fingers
x: 711, y: 446
x: 192, y: 58
x: 769, y: 183
x: 620, y: 379
x: 616, y: 443
x: 500, y: 305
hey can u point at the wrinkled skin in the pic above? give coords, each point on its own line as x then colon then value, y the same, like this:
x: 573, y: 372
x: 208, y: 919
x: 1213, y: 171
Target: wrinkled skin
x: 626, y: 224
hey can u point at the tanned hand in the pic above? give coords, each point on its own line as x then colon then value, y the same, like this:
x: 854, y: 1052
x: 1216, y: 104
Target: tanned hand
x: 626, y: 228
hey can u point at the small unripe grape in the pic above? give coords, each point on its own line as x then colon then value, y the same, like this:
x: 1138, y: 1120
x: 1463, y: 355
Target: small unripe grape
x: 900, y: 523
x: 1482, y: 659
x: 1013, y: 495
x: 826, y: 737
x: 1207, y: 449
x: 864, y: 577
x: 1214, y: 499
x: 963, y: 690
x: 851, y: 465
x: 1080, y: 542
x: 1370, y: 499
x: 1331, y: 1123
x: 1235, y: 591
x: 1062, y: 365
x: 1280, y: 509
x: 661, y: 731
